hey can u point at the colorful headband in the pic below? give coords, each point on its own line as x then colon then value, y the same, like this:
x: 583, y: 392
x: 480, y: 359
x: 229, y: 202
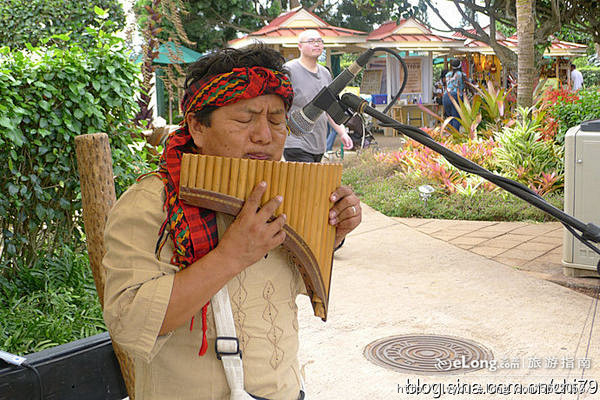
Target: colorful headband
x: 239, y: 84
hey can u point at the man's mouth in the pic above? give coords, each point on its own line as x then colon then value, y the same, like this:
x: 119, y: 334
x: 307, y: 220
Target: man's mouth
x: 258, y: 156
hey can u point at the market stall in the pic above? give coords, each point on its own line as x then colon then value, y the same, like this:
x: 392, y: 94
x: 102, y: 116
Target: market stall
x: 481, y: 63
x: 418, y: 45
x: 282, y: 35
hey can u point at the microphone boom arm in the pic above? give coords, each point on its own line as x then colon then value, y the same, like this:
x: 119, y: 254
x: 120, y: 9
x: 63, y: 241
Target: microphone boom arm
x: 590, y: 231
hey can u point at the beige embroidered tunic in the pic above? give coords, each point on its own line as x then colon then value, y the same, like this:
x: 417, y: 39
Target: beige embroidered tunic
x: 138, y: 287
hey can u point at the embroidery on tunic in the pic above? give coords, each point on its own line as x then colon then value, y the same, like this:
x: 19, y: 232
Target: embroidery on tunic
x: 275, y: 333
x: 238, y: 298
x: 293, y: 294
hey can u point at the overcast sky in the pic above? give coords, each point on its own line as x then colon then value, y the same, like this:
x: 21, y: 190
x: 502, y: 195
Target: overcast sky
x: 450, y: 13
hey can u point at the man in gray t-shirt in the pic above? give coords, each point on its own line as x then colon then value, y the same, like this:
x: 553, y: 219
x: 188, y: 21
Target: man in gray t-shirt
x: 308, y: 78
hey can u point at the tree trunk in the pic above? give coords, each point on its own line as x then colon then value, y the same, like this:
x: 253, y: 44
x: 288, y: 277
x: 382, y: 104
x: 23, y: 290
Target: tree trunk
x: 294, y: 4
x: 94, y: 161
x: 525, y: 52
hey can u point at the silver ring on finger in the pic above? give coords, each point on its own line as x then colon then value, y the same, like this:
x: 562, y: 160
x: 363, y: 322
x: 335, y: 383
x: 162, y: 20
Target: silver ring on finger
x: 353, y: 211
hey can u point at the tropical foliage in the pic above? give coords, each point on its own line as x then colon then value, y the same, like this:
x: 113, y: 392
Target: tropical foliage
x: 591, y: 76
x: 523, y: 155
x: 525, y: 146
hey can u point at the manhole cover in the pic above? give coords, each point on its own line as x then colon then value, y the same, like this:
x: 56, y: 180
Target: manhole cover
x: 428, y: 354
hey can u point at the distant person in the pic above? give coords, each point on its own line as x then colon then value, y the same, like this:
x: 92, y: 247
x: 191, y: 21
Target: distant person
x: 308, y: 78
x: 576, y: 78
x: 455, y: 87
x: 440, y: 87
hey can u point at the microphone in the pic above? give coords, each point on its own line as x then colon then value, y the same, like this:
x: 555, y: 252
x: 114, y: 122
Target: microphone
x: 303, y: 120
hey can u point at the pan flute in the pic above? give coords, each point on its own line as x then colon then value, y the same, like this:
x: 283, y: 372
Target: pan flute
x: 223, y: 184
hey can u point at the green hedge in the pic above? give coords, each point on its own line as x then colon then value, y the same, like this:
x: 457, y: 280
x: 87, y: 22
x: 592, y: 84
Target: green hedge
x: 35, y: 21
x: 591, y: 76
x: 47, y: 97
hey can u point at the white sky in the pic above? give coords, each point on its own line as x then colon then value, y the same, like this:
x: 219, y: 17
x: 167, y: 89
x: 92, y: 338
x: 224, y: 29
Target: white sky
x: 451, y: 15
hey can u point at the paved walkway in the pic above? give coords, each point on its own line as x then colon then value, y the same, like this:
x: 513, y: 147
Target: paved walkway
x: 535, y: 248
x: 418, y: 277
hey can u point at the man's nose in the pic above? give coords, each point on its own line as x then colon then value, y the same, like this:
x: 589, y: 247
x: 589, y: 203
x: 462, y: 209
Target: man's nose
x: 261, y: 132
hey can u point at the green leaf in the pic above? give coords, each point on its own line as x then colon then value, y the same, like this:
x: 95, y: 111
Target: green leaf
x: 16, y: 136
x: 100, y: 12
x: 65, y: 37
x: 45, y: 105
x: 78, y: 114
x: 13, y: 189
x: 5, y: 122
x: 64, y: 203
x: 40, y: 211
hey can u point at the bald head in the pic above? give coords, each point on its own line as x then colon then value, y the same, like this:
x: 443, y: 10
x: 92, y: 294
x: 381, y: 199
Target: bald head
x: 310, y: 45
x: 308, y: 34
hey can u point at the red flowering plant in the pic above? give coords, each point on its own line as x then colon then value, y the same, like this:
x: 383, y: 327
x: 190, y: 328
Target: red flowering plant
x: 549, y: 124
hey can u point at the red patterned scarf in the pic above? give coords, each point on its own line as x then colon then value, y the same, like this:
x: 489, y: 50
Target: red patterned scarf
x: 194, y: 230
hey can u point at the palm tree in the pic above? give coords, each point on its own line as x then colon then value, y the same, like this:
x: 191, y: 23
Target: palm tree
x: 525, y: 52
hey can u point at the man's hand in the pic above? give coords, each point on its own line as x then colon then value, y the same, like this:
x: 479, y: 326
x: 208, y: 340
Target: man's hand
x: 253, y: 234
x: 345, y: 214
x: 246, y: 241
x: 347, y: 141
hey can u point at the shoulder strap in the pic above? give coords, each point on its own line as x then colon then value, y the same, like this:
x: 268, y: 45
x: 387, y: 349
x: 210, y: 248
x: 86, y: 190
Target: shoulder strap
x: 227, y: 345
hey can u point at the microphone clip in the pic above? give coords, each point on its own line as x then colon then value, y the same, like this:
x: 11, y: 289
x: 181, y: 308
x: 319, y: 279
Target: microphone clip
x: 327, y: 101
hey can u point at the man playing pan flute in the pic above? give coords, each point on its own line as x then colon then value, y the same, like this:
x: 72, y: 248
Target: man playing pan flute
x: 165, y: 259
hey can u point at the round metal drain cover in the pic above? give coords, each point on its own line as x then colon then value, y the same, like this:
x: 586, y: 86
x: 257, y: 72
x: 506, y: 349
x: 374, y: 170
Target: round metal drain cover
x: 428, y: 354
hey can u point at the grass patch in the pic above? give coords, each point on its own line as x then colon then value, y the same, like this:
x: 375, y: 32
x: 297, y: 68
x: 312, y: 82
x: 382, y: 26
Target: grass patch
x: 52, y: 303
x: 395, y: 194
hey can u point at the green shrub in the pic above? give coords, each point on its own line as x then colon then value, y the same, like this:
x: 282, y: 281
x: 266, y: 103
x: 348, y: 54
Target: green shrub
x: 35, y: 21
x: 591, y: 76
x: 49, y: 303
x: 570, y: 112
x: 47, y: 97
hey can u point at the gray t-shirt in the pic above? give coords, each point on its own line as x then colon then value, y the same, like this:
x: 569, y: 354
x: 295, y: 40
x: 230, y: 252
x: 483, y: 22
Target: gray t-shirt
x: 306, y: 85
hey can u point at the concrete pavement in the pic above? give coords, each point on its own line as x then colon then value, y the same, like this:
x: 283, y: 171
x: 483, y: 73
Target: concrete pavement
x: 432, y: 277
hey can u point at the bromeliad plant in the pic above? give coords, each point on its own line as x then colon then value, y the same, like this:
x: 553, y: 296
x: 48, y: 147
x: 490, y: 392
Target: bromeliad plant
x: 470, y: 117
x: 495, y: 105
x: 518, y: 152
x: 523, y: 155
x: 418, y: 161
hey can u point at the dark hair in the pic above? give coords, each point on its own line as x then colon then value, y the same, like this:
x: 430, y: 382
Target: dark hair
x: 455, y: 64
x: 221, y: 61
x: 443, y: 74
